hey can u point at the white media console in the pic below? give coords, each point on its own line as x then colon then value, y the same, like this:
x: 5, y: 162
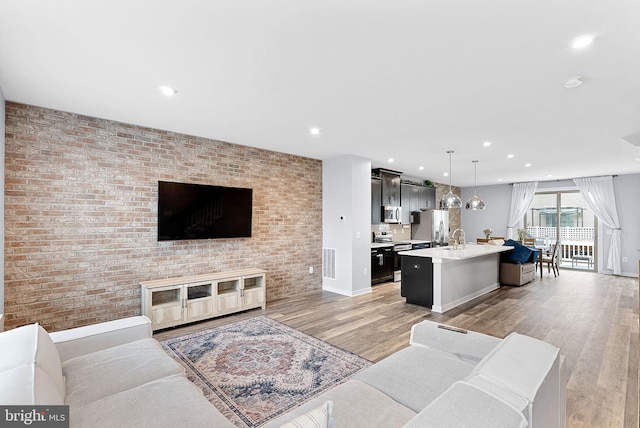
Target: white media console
x: 174, y: 301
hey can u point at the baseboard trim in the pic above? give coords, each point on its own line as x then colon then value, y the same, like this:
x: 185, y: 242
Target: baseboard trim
x: 458, y: 302
x: 627, y: 274
x: 347, y: 293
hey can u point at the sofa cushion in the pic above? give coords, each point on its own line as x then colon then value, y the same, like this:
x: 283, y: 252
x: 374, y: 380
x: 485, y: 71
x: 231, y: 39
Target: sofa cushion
x: 29, y: 345
x: 169, y: 402
x: 95, y: 337
x: 469, y: 346
x: 93, y: 376
x: 28, y: 384
x: 317, y: 418
x: 355, y: 404
x: 463, y: 406
x: 519, y: 363
x: 415, y: 376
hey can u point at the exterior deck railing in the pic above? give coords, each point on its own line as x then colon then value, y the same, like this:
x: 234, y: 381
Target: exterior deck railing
x: 576, y: 242
x: 566, y: 233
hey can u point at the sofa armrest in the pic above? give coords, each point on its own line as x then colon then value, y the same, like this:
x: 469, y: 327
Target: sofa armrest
x: 529, y: 370
x: 469, y: 346
x: 84, y: 340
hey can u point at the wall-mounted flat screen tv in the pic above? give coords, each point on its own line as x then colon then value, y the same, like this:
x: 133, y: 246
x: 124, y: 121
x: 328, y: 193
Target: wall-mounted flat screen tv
x: 197, y: 211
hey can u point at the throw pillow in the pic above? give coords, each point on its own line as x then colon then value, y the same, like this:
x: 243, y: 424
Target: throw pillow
x: 520, y: 253
x: 317, y: 418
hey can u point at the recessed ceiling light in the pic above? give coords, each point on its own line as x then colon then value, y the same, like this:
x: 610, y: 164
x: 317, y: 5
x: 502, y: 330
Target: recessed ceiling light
x: 420, y: 168
x: 314, y: 131
x: 499, y: 179
x: 549, y: 175
x: 390, y: 160
x: 168, y: 91
x: 573, y: 82
x: 510, y: 156
x: 487, y: 144
x: 527, y: 165
x: 582, y: 41
x: 446, y: 174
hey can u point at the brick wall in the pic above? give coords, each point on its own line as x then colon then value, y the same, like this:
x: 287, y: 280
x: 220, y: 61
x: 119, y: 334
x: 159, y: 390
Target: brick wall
x: 81, y: 207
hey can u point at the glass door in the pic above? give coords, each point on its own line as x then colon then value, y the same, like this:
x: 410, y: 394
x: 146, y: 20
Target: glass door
x: 564, y: 217
x: 540, y: 218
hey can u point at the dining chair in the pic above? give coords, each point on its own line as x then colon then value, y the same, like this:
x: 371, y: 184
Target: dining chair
x: 529, y: 241
x: 482, y: 241
x: 551, y: 258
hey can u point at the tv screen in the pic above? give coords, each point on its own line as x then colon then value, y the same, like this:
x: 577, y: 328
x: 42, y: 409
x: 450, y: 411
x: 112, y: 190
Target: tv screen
x: 196, y: 211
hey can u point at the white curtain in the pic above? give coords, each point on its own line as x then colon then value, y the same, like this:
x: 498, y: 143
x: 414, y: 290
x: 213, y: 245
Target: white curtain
x: 599, y: 195
x: 521, y: 197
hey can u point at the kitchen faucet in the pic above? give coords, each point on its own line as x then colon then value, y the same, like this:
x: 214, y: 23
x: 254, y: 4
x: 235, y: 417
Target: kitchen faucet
x: 456, y: 241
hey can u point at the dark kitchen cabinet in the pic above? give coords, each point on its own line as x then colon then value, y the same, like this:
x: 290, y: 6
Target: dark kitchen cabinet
x: 376, y: 201
x: 390, y: 189
x: 381, y: 265
x: 390, y: 186
x: 415, y: 198
x: 410, y: 196
x: 417, y: 280
x: 430, y: 195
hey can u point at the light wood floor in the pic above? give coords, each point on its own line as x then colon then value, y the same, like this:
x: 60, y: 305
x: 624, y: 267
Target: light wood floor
x: 592, y: 318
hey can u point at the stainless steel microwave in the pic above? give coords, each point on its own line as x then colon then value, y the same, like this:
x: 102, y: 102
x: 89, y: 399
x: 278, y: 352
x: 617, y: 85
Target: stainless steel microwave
x: 391, y: 214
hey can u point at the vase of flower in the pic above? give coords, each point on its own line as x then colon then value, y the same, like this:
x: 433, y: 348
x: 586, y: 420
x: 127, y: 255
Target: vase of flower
x: 522, y: 233
x: 487, y: 233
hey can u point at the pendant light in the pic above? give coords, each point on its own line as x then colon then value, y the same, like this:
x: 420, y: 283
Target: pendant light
x: 475, y: 203
x: 450, y: 200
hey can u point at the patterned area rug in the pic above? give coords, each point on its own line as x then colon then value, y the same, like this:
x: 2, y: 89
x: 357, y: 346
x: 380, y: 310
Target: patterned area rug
x: 257, y: 369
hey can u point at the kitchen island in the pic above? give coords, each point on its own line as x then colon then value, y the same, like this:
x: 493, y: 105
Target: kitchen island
x: 442, y: 278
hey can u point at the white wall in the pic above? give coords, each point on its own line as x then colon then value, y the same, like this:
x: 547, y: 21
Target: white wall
x: 2, y: 131
x: 495, y: 216
x: 628, y: 206
x: 346, y: 222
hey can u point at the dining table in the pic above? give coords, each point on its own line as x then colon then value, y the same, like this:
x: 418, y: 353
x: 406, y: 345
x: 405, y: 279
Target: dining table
x: 538, y: 251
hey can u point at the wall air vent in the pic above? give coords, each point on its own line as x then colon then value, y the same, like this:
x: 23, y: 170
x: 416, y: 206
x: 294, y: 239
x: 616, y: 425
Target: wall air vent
x: 329, y: 263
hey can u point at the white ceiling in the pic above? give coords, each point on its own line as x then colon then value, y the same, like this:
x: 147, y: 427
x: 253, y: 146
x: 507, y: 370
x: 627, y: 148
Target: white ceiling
x: 407, y: 79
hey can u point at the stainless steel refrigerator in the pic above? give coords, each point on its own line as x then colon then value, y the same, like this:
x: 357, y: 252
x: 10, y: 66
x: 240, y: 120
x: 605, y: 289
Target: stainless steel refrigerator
x: 431, y: 225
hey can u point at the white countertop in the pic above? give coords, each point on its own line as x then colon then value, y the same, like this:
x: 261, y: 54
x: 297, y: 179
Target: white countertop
x: 448, y: 253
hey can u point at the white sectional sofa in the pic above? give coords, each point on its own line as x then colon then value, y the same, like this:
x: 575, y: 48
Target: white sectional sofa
x: 115, y: 375
x: 110, y: 375
x: 447, y: 379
